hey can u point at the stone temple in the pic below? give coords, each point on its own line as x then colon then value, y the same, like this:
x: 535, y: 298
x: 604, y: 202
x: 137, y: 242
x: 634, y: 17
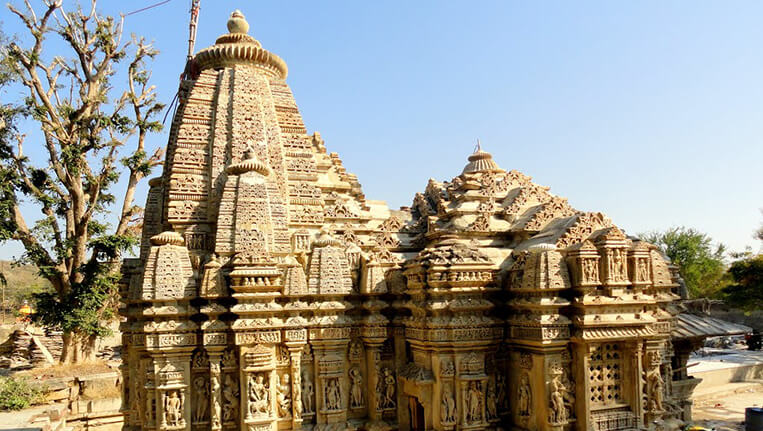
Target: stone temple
x: 271, y: 294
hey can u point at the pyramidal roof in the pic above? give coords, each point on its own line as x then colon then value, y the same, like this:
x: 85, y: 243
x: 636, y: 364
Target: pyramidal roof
x: 237, y: 115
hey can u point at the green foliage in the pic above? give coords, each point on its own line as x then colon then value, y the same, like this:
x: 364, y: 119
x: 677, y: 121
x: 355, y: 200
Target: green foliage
x: 746, y: 290
x: 86, y: 120
x: 89, y: 303
x: 18, y: 393
x: 700, y: 262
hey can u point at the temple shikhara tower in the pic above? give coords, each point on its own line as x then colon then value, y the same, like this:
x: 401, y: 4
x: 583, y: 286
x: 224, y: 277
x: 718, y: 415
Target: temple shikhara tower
x: 270, y: 294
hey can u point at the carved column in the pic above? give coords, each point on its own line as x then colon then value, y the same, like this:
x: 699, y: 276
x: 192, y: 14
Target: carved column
x: 403, y: 417
x: 215, y: 390
x: 373, y: 364
x: 557, y: 390
x: 295, y: 353
x: 638, y: 383
x: 648, y: 368
x: 581, y: 361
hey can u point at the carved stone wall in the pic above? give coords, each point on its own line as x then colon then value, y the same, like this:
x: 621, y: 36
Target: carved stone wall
x: 271, y: 295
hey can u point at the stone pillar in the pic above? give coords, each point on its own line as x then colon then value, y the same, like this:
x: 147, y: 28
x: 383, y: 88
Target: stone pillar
x: 215, y: 391
x: 649, y: 362
x: 554, y: 371
x: 636, y: 356
x: 295, y: 353
x: 403, y: 417
x: 581, y: 361
x: 373, y: 364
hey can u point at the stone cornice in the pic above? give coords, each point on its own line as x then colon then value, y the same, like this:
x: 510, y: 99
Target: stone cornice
x: 226, y: 55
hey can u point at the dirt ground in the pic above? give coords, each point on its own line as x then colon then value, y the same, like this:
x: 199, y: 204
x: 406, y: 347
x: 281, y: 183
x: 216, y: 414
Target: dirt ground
x: 727, y: 412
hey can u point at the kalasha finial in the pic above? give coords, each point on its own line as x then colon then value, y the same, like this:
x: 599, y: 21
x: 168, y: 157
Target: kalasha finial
x: 237, y: 23
x: 481, y: 161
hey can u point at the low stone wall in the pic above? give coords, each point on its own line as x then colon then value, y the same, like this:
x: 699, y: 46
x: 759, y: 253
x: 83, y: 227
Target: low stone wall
x: 93, y: 401
x: 727, y: 367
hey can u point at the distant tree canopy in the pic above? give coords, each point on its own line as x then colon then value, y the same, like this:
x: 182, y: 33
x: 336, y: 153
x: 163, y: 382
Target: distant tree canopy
x: 700, y: 262
x: 746, y: 288
x: 83, y: 104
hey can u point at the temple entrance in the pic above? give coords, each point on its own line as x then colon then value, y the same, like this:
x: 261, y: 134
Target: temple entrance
x: 416, y: 411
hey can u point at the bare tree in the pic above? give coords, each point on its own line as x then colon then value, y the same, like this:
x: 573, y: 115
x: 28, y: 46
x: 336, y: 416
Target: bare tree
x: 85, y: 124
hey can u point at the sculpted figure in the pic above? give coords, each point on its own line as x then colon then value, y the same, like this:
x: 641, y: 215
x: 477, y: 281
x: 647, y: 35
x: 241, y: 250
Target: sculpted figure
x: 297, y: 399
x: 307, y: 393
x: 201, y: 399
x: 524, y: 397
x: 656, y: 390
x: 448, y: 407
x: 558, y: 414
x: 389, y: 389
x: 230, y: 397
x: 356, y: 350
x: 569, y: 395
x: 448, y: 369
x: 589, y: 270
x: 356, y: 391
x: 215, y: 392
x: 229, y: 359
x: 502, y: 399
x: 173, y: 409
x: 259, y: 396
x: 252, y: 404
x: 616, y: 275
x: 199, y: 360
x: 333, y: 395
x: 623, y: 266
x: 150, y: 406
x: 490, y: 405
x: 474, y: 403
x: 137, y: 403
x: 284, y: 396
x: 643, y: 270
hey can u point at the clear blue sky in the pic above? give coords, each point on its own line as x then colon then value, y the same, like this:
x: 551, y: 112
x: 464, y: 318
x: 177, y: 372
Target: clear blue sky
x: 650, y: 111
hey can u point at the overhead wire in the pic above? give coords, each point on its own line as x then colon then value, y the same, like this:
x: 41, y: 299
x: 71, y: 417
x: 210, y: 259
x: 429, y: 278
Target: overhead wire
x: 172, y: 107
x: 148, y: 7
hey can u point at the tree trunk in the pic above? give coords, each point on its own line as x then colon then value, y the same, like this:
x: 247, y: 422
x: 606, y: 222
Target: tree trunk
x: 67, y: 352
x: 78, y: 348
x: 89, y: 348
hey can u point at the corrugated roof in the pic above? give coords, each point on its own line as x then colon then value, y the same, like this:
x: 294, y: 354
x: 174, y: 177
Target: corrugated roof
x: 692, y: 326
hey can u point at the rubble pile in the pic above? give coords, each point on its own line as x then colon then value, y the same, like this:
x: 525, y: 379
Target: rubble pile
x: 24, y: 350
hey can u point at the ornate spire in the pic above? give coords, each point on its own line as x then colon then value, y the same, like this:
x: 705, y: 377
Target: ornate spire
x: 481, y: 161
x: 237, y: 47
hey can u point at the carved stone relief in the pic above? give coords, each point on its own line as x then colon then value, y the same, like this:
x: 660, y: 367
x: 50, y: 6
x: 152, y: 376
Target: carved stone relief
x: 259, y: 246
x: 448, y: 405
x: 308, y: 393
x: 259, y: 395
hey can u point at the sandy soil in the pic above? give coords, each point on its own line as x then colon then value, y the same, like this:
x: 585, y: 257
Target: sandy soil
x: 727, y: 412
